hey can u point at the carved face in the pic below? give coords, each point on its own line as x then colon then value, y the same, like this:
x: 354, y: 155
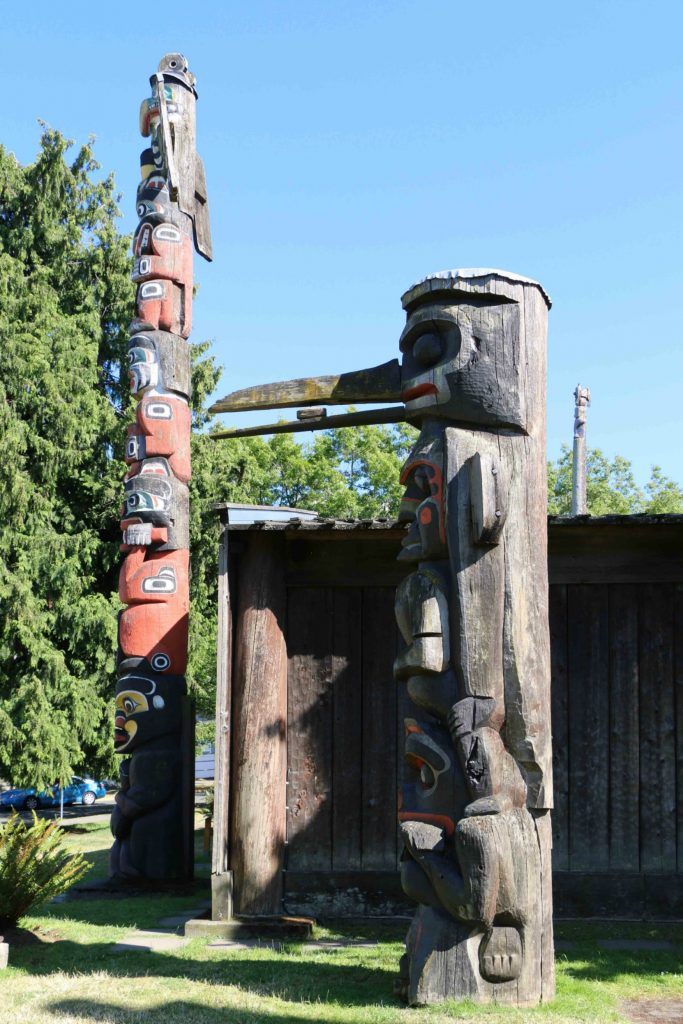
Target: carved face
x: 147, y: 706
x: 143, y: 364
x: 158, y: 360
x: 433, y: 791
x: 423, y: 501
x: 162, y: 427
x: 129, y: 705
x: 456, y: 354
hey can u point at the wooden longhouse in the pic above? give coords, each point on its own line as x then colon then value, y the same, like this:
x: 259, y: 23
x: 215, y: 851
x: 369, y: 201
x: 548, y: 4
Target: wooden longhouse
x: 316, y: 718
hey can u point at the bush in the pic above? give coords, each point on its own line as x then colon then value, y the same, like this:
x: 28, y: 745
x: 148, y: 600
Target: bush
x: 34, y: 866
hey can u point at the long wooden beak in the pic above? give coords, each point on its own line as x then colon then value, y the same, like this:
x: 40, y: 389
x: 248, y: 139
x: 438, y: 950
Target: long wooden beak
x: 359, y: 387
x: 394, y: 414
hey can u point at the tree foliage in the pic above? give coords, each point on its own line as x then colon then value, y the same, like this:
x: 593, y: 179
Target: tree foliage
x: 65, y: 303
x: 611, y: 487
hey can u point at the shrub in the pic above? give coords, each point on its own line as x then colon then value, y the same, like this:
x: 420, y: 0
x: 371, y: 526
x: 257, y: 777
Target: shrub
x: 34, y: 866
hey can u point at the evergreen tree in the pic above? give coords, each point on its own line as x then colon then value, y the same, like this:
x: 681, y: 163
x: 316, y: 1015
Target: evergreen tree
x: 65, y: 297
x: 65, y: 303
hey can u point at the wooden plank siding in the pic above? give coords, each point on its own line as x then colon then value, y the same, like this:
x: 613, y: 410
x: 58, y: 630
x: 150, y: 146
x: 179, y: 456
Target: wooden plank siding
x: 616, y: 627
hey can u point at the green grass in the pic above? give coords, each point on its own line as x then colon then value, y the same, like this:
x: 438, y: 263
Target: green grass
x: 80, y: 979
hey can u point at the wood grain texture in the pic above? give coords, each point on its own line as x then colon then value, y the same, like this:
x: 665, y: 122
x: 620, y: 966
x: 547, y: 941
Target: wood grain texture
x: 624, y: 784
x: 347, y: 747
x: 220, y: 858
x: 588, y: 728
x: 678, y: 682
x: 379, y: 730
x: 309, y: 756
x: 260, y: 723
x: 375, y: 384
x: 394, y: 414
x: 560, y: 725
x: 657, y: 736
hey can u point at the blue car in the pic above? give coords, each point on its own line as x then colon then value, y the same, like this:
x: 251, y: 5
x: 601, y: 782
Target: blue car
x: 80, y: 791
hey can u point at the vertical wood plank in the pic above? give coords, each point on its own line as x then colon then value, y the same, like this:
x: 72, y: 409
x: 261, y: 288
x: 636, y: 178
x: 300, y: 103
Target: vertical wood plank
x: 405, y: 708
x: 379, y: 730
x: 588, y: 727
x: 624, y: 840
x: 657, y: 736
x: 221, y: 812
x: 347, y: 755
x: 560, y: 725
x: 259, y: 730
x: 678, y: 681
x: 309, y: 724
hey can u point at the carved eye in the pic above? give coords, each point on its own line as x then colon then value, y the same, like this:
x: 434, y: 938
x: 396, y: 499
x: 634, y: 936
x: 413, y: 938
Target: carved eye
x: 427, y: 777
x: 130, y: 705
x: 428, y: 349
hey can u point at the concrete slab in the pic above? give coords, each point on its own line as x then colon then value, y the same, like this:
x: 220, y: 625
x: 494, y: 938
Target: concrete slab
x: 635, y: 945
x: 338, y: 944
x: 653, y: 1011
x: 180, y: 919
x: 150, y: 941
x: 236, y: 929
x: 244, y: 944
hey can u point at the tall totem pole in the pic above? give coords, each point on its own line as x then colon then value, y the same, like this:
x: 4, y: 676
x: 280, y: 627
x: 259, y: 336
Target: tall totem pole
x: 473, y: 612
x: 152, y: 821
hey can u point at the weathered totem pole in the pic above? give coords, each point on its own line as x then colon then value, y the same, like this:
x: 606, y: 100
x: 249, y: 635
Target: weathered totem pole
x: 152, y: 821
x: 474, y: 810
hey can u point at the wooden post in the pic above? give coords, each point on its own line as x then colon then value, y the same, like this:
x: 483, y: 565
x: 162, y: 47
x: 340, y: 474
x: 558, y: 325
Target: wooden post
x: 259, y: 761
x: 474, y: 810
x: 582, y: 399
x: 221, y: 876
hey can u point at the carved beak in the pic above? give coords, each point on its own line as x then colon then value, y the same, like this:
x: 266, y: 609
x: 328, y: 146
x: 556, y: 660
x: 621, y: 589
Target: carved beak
x: 359, y: 387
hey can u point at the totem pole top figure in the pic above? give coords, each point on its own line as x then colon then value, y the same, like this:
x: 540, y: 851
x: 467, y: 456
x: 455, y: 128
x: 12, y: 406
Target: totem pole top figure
x: 464, y: 358
x: 463, y: 348
x: 168, y: 117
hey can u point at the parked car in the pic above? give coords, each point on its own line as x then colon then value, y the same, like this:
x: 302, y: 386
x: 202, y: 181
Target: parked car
x: 80, y: 791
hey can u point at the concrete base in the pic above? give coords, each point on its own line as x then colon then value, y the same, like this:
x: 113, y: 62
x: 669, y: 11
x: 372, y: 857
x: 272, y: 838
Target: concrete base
x: 222, y: 896
x: 4, y: 954
x: 240, y: 927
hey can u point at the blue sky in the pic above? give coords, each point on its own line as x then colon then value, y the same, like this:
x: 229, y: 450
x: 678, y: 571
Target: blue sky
x: 352, y: 148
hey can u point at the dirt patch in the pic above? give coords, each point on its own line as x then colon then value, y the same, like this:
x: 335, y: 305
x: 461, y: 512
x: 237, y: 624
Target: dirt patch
x: 653, y: 1011
x: 31, y: 936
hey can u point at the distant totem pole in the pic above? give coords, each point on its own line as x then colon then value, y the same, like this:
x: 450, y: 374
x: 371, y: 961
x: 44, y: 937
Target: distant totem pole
x: 473, y: 612
x: 152, y: 822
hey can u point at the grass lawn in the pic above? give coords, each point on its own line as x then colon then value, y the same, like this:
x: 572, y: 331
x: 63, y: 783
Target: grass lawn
x: 70, y: 973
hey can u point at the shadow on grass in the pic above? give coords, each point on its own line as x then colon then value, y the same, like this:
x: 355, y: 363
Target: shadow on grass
x: 286, y: 976
x: 177, y: 1010
x: 125, y: 912
x: 590, y: 964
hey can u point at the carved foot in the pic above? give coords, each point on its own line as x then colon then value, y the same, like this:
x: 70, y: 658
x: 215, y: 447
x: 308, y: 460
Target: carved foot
x: 500, y: 955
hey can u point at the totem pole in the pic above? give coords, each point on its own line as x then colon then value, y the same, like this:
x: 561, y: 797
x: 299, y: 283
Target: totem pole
x: 152, y: 820
x: 582, y: 399
x: 474, y: 810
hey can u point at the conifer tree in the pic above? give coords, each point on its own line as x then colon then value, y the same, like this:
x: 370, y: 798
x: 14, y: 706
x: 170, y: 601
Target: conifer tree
x: 65, y: 297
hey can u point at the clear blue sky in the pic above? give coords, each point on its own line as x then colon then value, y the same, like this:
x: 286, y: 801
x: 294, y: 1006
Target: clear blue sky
x: 352, y: 148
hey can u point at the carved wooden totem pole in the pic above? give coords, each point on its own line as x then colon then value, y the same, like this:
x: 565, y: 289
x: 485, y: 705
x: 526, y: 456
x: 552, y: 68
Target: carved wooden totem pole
x: 152, y: 822
x: 474, y: 811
